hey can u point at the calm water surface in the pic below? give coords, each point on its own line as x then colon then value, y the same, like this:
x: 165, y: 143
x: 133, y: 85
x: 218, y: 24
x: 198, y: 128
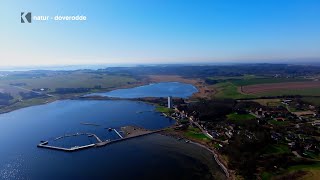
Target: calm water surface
x: 165, y: 89
x: 150, y: 157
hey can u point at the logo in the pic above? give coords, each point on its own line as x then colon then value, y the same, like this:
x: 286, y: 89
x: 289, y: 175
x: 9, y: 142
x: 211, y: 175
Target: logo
x: 25, y: 17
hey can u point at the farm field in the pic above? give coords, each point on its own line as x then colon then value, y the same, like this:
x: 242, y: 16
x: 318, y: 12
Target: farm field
x: 240, y: 117
x: 253, y: 81
x: 268, y: 102
x: 72, y: 80
x: 229, y: 90
x: 64, y: 80
x: 289, y: 88
x: 251, y: 86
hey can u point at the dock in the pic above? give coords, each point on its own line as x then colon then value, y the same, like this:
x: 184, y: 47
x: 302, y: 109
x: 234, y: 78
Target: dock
x: 126, y: 138
x: 76, y: 148
x: 118, y: 133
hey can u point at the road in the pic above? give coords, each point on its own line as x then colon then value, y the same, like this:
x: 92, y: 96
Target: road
x: 202, y: 130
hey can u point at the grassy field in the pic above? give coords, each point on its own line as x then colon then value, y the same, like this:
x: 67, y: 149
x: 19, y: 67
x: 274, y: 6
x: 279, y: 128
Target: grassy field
x: 165, y: 110
x: 268, y: 102
x: 195, y: 133
x: 307, y: 172
x: 225, y: 78
x: 278, y: 123
x: 229, y: 90
x: 229, y: 87
x: 313, y: 171
x: 253, y: 81
x: 277, y: 149
x: 70, y: 80
x: 240, y: 117
x: 63, y: 80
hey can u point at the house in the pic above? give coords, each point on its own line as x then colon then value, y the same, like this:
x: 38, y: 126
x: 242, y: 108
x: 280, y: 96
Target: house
x: 280, y: 119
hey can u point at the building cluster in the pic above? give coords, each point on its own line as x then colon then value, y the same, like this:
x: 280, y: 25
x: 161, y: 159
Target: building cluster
x: 298, y: 129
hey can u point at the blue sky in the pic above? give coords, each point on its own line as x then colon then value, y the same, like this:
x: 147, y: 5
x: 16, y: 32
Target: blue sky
x: 160, y: 31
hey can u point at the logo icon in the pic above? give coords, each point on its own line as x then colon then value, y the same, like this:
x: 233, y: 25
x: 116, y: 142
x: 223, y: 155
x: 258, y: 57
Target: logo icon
x: 25, y: 17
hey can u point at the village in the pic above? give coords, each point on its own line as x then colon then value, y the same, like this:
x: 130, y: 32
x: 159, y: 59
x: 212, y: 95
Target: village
x: 288, y: 129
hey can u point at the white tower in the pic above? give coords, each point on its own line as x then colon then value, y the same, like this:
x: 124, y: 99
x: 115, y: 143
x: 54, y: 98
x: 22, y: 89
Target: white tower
x: 170, y: 102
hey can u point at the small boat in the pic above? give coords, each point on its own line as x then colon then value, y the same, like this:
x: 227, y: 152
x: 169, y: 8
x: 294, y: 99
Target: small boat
x: 109, y: 129
x: 187, y: 141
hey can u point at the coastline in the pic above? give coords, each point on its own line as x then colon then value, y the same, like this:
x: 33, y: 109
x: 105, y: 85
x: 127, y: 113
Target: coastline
x: 216, y: 157
x: 230, y: 174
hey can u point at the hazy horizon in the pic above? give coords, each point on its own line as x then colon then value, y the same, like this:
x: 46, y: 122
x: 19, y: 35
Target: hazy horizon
x: 160, y: 32
x: 67, y: 67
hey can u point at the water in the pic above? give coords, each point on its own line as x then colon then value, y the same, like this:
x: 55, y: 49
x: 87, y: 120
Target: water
x: 150, y: 157
x: 165, y: 89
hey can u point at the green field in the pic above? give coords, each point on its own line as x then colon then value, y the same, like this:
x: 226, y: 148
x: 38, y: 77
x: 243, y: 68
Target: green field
x: 195, y: 133
x: 277, y: 149
x: 228, y: 87
x: 225, y: 78
x: 313, y: 170
x: 165, y: 110
x: 229, y: 90
x: 63, y: 80
x: 268, y: 102
x: 240, y: 117
x: 278, y: 123
x: 253, y: 81
x: 70, y: 80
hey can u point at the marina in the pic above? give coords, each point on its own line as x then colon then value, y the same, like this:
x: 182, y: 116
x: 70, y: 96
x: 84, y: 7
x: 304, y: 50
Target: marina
x: 129, y: 131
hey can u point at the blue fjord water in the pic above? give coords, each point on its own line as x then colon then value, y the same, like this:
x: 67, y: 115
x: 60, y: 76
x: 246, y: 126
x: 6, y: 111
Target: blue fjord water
x: 165, y: 89
x: 150, y: 157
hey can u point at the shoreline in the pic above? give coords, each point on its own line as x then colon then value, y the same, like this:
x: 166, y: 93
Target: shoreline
x: 216, y: 157
x: 222, y: 164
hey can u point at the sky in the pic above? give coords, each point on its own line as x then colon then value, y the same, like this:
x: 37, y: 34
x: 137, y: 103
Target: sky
x: 160, y: 31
